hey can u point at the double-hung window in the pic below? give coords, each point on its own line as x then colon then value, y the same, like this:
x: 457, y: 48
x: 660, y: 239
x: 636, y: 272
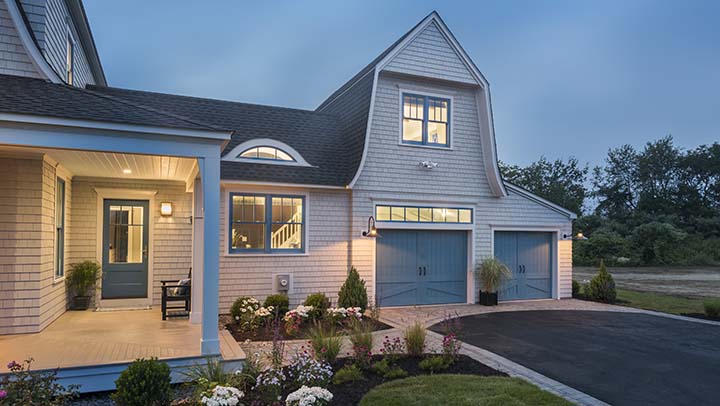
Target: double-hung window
x: 59, y: 229
x: 266, y: 223
x: 425, y: 120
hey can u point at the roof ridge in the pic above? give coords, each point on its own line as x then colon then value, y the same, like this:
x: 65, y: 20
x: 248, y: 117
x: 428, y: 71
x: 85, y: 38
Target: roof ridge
x: 96, y: 88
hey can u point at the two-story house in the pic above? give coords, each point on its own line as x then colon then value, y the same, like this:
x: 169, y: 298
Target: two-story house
x: 153, y: 185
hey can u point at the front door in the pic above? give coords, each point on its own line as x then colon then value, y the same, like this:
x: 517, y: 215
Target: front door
x: 421, y: 267
x: 125, y: 249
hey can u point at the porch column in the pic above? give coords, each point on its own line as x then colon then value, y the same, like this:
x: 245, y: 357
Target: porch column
x: 210, y: 177
x: 197, y: 253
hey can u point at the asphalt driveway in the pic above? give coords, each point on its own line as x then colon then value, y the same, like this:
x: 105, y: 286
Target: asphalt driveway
x: 619, y: 358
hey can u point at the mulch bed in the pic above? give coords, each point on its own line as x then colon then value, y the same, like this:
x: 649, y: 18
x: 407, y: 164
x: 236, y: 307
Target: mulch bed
x: 351, y: 393
x: 266, y: 333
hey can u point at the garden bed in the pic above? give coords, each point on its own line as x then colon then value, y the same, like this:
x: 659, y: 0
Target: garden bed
x: 351, y: 393
x: 265, y: 333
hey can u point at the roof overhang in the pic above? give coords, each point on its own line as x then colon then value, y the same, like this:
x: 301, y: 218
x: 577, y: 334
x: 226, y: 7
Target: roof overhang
x: 542, y: 201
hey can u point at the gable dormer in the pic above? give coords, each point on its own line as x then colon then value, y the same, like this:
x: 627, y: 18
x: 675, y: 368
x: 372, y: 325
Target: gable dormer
x: 49, y: 39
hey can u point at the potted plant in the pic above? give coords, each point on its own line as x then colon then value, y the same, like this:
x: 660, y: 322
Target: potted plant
x: 491, y: 272
x: 80, y: 280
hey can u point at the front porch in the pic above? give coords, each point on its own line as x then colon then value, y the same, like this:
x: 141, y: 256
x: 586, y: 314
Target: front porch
x: 91, y: 341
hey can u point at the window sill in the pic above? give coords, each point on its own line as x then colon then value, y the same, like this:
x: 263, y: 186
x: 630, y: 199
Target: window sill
x: 402, y: 144
x: 58, y: 280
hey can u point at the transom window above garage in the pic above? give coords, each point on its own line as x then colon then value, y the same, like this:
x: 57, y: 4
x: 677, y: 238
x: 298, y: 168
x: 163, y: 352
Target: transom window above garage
x: 416, y: 214
x: 425, y: 120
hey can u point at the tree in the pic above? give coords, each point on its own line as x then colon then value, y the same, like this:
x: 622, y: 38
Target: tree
x: 615, y: 185
x: 562, y: 183
x: 658, y: 176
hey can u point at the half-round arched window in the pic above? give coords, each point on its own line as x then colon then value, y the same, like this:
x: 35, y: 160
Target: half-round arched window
x: 265, y: 152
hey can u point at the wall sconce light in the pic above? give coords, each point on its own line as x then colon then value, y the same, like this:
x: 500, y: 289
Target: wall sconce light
x: 372, y: 230
x: 579, y: 236
x: 166, y: 209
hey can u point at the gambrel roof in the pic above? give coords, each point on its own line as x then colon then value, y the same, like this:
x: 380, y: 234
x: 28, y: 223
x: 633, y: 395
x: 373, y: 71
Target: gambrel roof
x: 333, y: 138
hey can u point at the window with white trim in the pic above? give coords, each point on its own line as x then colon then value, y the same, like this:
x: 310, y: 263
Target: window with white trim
x: 70, y: 59
x: 266, y: 223
x: 263, y: 152
x: 425, y: 120
x: 59, y: 228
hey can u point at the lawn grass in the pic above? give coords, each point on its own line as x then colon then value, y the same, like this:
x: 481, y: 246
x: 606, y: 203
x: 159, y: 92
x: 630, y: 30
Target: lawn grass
x: 460, y: 390
x: 660, y: 302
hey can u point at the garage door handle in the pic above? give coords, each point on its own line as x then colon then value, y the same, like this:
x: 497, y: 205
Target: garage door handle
x: 424, y: 271
x: 419, y: 271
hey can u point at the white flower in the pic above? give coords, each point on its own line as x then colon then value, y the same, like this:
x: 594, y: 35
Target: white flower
x: 300, y: 311
x: 223, y: 396
x: 309, y: 397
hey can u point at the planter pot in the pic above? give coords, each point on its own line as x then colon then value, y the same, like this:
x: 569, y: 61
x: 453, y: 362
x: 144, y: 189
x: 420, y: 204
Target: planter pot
x: 80, y: 303
x: 488, y: 298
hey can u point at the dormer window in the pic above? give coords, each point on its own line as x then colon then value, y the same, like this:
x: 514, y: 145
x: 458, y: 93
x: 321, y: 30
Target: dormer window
x: 264, y: 152
x: 425, y: 120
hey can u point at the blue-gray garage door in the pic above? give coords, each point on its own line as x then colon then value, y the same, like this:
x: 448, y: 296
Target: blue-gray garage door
x: 421, y: 267
x: 529, y: 257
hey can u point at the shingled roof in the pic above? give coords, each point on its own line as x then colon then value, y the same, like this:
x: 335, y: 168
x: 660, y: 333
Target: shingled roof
x: 331, y: 138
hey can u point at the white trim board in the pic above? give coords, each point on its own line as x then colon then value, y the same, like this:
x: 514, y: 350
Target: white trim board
x: 540, y: 200
x: 232, y: 156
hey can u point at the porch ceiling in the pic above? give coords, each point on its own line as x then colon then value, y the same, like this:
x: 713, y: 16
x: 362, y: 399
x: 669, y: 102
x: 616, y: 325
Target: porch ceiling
x: 113, y: 165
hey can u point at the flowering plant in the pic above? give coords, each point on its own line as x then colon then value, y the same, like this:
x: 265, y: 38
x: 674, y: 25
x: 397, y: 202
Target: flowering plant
x: 294, y: 318
x: 363, y: 356
x: 392, y: 348
x: 25, y: 387
x: 451, y: 346
x: 243, y: 312
x: 306, y: 396
x: 223, y: 396
x: 306, y: 370
x: 340, y: 314
x: 270, y: 383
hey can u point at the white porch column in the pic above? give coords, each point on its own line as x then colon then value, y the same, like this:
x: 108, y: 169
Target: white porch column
x: 210, y: 176
x: 197, y: 253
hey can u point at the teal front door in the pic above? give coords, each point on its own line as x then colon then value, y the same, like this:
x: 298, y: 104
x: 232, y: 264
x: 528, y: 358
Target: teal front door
x: 529, y: 257
x: 421, y: 267
x: 125, y: 249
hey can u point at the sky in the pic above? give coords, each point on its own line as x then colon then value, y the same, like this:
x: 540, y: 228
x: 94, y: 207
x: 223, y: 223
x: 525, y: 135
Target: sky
x: 567, y: 78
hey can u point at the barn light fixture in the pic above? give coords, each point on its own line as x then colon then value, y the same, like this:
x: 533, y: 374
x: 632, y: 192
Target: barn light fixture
x: 579, y: 236
x: 372, y: 230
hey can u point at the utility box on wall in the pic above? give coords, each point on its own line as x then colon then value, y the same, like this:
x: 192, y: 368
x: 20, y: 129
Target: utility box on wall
x: 282, y: 283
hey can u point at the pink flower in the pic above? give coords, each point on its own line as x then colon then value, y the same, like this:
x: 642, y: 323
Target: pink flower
x: 3, y: 393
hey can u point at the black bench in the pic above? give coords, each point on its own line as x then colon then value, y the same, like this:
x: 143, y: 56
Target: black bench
x: 176, y: 294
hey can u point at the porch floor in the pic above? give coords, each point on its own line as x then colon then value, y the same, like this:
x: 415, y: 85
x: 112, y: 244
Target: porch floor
x: 83, y: 338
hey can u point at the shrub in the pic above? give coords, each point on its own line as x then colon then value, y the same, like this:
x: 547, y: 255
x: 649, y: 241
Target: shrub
x: 81, y: 277
x: 712, y: 308
x: 320, y: 304
x: 308, y: 371
x: 575, y: 288
x: 436, y: 363
x: 295, y: 318
x: 342, y: 315
x: 25, y: 387
x: 388, y: 371
x: 243, y: 311
x: 353, y: 292
x: 206, y: 377
x: 325, y: 343
x: 146, y: 382
x: 415, y: 339
x: 492, y: 272
x: 348, y: 373
x: 602, y: 286
x: 279, y: 302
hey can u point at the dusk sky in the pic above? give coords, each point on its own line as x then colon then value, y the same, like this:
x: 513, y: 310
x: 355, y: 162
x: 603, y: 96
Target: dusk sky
x: 567, y: 77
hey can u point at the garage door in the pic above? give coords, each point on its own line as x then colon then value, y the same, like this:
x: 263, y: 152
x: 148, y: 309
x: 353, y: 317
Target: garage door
x: 421, y: 267
x: 529, y: 257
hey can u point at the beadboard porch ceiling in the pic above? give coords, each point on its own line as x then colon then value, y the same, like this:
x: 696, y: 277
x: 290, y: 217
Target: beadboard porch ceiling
x: 113, y: 165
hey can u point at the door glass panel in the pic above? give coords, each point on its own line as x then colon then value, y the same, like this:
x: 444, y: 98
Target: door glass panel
x: 126, y: 235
